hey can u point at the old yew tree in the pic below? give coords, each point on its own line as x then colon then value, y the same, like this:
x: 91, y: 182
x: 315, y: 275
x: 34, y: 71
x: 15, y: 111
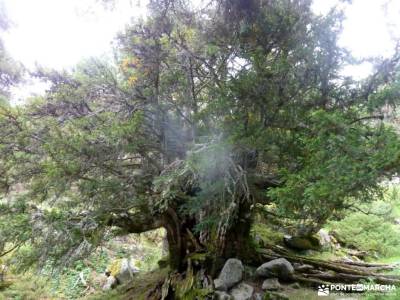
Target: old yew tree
x: 206, y: 116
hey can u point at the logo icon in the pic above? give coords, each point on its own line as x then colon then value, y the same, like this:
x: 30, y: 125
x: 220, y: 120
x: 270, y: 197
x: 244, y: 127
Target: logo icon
x: 323, y: 290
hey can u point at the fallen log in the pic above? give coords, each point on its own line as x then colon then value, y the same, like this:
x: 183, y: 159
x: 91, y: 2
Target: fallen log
x: 331, y: 271
x: 350, y: 278
x: 282, y: 251
x: 343, y: 267
x: 363, y: 264
x: 310, y: 281
x: 323, y: 264
x: 368, y: 265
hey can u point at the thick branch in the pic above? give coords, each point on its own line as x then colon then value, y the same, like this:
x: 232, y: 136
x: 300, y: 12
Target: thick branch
x: 137, y: 223
x: 380, y: 117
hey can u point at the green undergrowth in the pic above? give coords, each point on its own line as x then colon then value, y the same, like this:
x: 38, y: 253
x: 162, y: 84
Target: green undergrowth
x: 145, y: 248
x: 266, y: 235
x: 66, y: 283
x: 50, y: 283
x: 371, y: 234
x: 375, y: 232
x: 140, y: 288
x: 390, y: 260
x: 28, y: 287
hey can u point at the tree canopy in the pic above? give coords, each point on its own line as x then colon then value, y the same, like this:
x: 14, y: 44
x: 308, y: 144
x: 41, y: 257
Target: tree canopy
x: 206, y: 115
x: 10, y: 70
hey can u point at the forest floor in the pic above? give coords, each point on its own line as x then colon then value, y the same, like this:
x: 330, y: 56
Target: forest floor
x: 68, y: 286
x: 378, y: 236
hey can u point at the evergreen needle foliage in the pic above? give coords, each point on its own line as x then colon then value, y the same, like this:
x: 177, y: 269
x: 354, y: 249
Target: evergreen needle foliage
x: 204, y: 113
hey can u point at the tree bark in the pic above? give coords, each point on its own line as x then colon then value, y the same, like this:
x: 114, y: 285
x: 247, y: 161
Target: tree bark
x: 184, y: 241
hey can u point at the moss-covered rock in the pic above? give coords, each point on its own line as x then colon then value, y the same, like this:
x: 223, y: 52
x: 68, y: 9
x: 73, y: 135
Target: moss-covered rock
x: 302, y: 242
x: 122, y: 269
x: 114, y: 267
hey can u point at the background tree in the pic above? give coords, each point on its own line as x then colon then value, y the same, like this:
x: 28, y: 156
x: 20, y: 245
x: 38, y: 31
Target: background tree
x: 10, y: 70
x: 206, y: 115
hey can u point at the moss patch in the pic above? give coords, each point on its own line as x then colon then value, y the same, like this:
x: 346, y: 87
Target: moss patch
x: 142, y: 287
x: 115, y: 267
x: 267, y: 235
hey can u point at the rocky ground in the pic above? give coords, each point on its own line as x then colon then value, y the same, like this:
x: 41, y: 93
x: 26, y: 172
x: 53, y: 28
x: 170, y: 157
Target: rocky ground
x: 293, y: 269
x: 278, y: 279
x: 289, y: 272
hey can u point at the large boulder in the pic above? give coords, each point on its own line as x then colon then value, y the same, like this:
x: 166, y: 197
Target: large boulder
x: 127, y: 271
x: 242, y: 291
x: 324, y: 239
x: 231, y: 274
x: 123, y: 270
x: 302, y: 242
x: 280, y: 268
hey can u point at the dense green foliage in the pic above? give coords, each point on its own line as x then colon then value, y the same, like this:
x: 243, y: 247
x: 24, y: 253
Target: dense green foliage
x: 372, y: 227
x: 370, y: 233
x: 83, y: 277
x: 203, y: 114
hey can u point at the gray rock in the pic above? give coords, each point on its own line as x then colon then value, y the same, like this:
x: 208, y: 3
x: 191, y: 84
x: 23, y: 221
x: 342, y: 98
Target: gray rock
x: 324, y: 238
x: 271, y: 284
x: 127, y: 271
x: 231, y: 274
x: 296, y: 265
x: 242, y: 291
x: 220, y: 295
x: 280, y: 268
x: 219, y: 285
x: 110, y: 283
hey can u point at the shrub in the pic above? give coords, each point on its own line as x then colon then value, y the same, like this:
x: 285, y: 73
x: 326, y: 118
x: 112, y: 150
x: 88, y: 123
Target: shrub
x: 368, y: 232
